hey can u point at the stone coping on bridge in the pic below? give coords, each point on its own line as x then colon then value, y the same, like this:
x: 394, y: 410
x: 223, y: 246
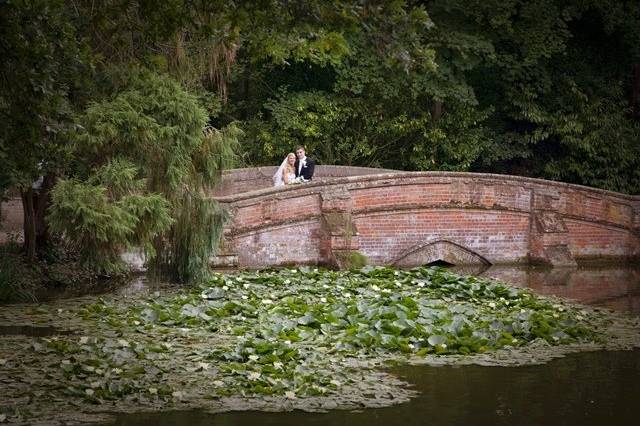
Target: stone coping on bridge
x: 399, y: 175
x: 249, y: 179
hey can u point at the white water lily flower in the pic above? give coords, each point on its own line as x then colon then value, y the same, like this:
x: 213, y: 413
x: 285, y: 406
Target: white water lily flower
x: 556, y: 315
x: 492, y: 305
x: 411, y: 346
x: 287, y: 281
x: 323, y: 299
x: 277, y: 364
x: 89, y: 391
x: 254, y: 375
x: 153, y: 391
x: 225, y: 287
x: 136, y: 322
x: 290, y: 394
x: 287, y: 342
x: 244, y: 297
x: 514, y: 341
x: 347, y: 295
x: 245, y: 285
x: 375, y: 287
x: 444, y: 345
x: 254, y: 357
x: 420, y: 284
x: 267, y: 301
x: 315, y: 270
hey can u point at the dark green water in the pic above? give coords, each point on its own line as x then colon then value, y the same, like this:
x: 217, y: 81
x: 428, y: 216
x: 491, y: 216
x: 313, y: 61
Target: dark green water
x: 597, y: 388
x: 30, y: 330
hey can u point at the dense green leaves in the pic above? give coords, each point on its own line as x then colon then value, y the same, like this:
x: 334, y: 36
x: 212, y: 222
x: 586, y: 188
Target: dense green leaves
x: 148, y: 159
x: 536, y: 88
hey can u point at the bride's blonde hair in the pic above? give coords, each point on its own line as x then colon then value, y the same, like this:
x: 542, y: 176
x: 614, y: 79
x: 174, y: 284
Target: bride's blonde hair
x: 289, y: 166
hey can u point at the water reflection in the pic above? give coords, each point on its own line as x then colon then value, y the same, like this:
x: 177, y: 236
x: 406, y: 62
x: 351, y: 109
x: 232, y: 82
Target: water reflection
x: 613, y: 287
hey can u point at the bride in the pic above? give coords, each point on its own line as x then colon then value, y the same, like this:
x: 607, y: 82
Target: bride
x: 286, y: 172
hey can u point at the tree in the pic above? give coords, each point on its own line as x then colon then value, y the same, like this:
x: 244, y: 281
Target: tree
x: 43, y: 62
x: 145, y: 163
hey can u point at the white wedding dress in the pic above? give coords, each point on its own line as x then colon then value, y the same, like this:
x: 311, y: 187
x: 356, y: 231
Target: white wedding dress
x: 278, y: 178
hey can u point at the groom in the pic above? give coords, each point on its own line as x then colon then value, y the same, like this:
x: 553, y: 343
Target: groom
x: 304, y: 166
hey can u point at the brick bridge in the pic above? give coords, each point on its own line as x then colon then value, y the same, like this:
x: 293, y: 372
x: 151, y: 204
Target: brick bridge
x: 415, y: 218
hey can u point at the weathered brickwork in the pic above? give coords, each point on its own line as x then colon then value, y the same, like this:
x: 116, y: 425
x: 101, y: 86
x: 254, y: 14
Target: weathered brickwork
x: 415, y: 218
x: 408, y: 218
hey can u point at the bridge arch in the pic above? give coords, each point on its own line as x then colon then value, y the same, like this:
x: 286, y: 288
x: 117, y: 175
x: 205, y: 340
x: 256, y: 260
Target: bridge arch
x: 404, y: 218
x: 439, y: 251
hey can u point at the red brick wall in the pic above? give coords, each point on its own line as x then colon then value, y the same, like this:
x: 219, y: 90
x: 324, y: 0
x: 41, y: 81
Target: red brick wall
x: 501, y: 237
x: 503, y: 219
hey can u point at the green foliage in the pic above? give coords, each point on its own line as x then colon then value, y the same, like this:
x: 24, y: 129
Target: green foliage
x: 147, y: 162
x: 16, y: 279
x: 102, y: 219
x: 484, y: 86
x: 351, y: 259
x: 44, y: 60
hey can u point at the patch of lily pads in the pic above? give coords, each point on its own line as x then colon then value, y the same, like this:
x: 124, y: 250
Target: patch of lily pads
x: 302, y: 338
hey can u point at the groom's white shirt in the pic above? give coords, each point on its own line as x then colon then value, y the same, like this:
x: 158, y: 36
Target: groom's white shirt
x: 301, y: 163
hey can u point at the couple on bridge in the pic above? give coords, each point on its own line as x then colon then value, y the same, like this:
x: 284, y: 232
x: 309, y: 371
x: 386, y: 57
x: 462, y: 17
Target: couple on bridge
x: 295, y: 168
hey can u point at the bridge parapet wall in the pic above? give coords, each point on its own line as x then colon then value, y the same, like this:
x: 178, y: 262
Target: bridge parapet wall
x: 403, y: 218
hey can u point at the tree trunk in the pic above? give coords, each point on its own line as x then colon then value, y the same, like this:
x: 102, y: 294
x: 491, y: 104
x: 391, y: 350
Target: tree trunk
x: 635, y: 91
x: 42, y: 204
x: 29, y: 224
x: 436, y: 110
x: 34, y: 206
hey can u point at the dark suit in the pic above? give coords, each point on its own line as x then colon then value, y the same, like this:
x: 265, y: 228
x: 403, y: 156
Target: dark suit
x: 307, y: 169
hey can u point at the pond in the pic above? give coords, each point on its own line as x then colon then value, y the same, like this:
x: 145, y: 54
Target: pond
x: 592, y: 388
x: 121, y: 342
x: 581, y: 388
